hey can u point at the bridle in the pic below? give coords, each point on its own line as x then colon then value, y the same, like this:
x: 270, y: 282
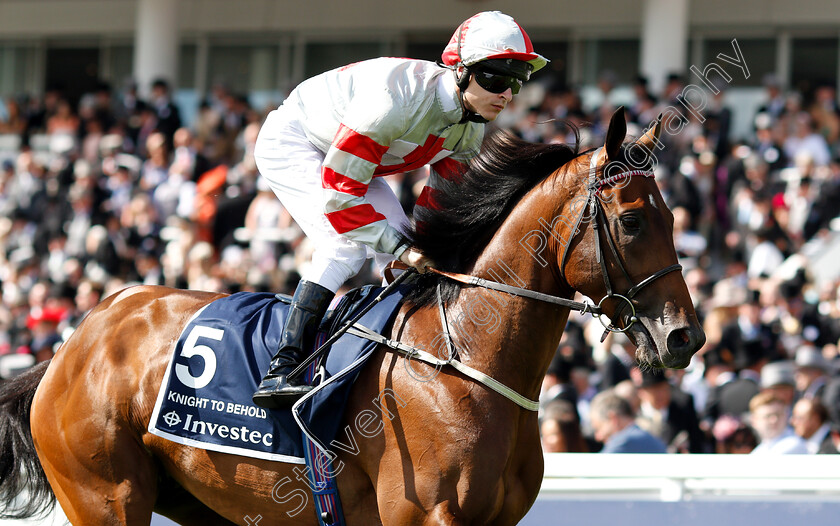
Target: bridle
x: 598, y: 219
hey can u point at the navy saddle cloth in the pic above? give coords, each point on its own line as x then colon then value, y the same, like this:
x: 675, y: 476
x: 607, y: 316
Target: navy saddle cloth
x: 220, y: 358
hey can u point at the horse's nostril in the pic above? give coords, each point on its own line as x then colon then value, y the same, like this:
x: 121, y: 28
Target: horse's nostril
x: 679, y: 340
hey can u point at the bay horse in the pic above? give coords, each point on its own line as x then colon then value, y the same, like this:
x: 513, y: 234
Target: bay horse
x: 448, y: 449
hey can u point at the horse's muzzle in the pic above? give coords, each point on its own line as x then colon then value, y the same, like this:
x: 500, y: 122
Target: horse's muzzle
x: 668, y: 345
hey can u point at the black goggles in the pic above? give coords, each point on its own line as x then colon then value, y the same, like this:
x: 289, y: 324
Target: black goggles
x: 496, y: 83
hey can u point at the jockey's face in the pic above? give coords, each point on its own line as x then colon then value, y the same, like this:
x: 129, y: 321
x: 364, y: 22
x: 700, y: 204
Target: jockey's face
x: 484, y: 103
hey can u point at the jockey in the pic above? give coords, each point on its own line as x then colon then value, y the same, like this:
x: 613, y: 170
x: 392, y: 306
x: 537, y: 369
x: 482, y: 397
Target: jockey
x: 324, y: 150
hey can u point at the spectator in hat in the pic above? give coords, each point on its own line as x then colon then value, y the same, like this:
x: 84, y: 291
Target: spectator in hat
x: 778, y: 377
x: 768, y: 416
x: 613, y: 423
x: 810, y: 421
x: 751, y: 344
x: 811, y: 372
x: 119, y: 186
x: 128, y: 106
x: 668, y: 413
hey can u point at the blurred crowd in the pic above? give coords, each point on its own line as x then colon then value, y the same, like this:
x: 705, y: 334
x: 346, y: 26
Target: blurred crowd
x: 113, y: 189
x: 754, y: 230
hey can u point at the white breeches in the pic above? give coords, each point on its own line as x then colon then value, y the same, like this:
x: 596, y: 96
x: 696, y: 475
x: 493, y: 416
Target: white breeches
x: 292, y: 167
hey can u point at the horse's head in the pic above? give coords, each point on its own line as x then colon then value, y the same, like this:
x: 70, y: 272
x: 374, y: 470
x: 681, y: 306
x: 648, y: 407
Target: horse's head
x: 623, y: 253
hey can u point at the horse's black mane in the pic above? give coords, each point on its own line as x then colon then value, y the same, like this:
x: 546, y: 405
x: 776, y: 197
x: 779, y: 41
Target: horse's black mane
x: 471, y: 210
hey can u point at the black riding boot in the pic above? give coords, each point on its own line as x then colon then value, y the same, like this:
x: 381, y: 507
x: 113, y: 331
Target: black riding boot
x: 309, y: 304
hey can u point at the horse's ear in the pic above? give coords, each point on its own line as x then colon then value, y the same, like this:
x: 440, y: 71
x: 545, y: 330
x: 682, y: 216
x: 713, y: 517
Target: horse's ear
x: 651, y: 136
x: 615, y: 134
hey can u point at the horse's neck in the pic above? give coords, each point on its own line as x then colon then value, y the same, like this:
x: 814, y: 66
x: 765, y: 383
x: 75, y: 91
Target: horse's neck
x: 508, y: 337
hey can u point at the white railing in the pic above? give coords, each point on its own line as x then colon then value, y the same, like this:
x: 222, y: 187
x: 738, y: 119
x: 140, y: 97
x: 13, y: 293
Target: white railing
x: 672, y: 478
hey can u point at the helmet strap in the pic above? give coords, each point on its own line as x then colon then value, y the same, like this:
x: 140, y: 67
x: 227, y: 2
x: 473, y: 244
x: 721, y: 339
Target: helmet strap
x: 474, y: 117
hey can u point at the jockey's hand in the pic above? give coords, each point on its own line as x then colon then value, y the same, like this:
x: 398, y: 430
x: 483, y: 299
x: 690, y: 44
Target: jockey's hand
x: 414, y: 258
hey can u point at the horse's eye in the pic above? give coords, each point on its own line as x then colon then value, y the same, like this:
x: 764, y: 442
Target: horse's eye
x: 630, y: 223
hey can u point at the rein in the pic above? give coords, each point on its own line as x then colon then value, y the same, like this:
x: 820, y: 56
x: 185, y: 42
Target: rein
x: 583, y: 307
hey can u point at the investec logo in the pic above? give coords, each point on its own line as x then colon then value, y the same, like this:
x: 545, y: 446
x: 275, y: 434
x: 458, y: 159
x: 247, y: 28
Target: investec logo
x: 230, y: 433
x: 172, y: 419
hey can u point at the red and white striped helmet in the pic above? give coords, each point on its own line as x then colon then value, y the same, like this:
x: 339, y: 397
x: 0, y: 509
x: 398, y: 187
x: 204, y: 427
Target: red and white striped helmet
x: 490, y: 35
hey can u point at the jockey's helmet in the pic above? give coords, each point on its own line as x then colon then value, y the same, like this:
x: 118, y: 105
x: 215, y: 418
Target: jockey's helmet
x: 494, y: 37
